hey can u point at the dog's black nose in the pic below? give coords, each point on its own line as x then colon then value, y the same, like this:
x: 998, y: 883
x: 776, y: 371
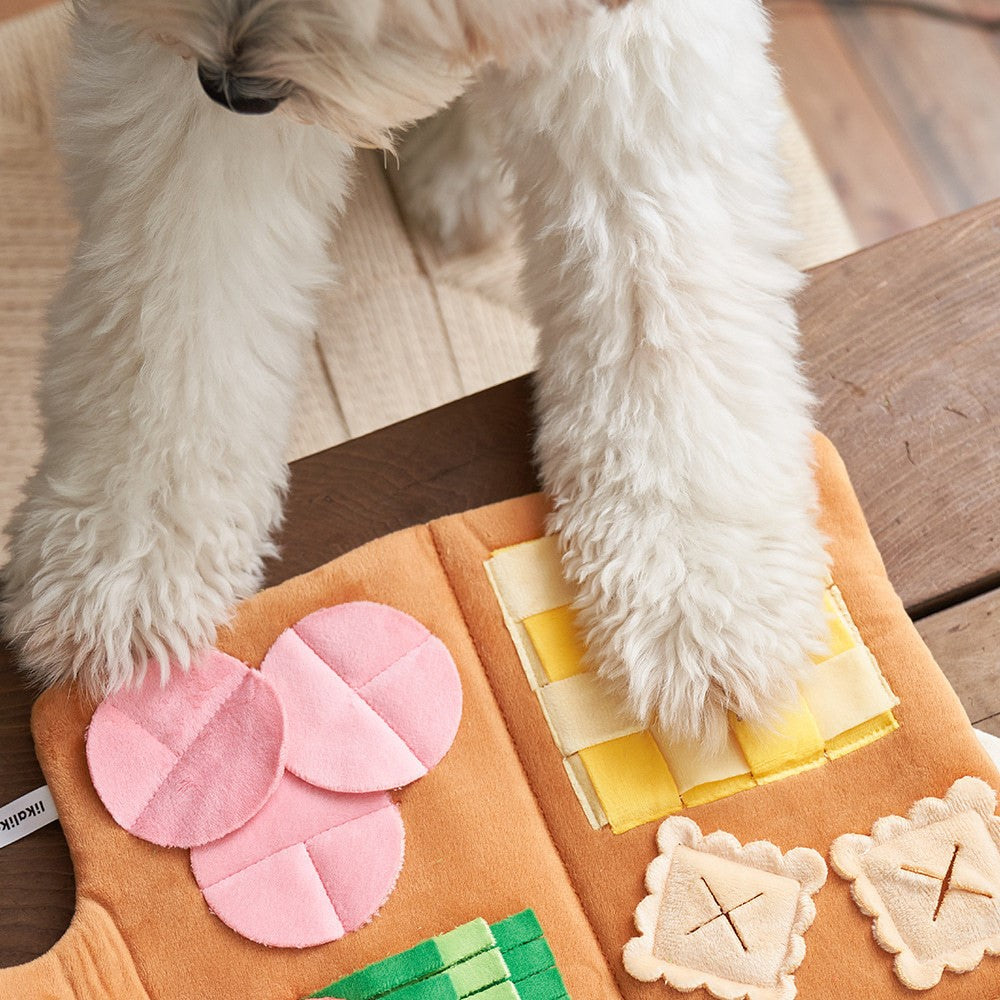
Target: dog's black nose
x: 244, y: 95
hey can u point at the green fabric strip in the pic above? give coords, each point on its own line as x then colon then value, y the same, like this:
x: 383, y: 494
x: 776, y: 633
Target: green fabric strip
x: 417, y: 963
x: 438, y: 987
x: 388, y: 974
x: 475, y: 974
x: 471, y: 976
x: 547, y: 985
x: 515, y: 930
x: 500, y: 991
x: 474, y: 958
x: 529, y: 959
x: 465, y: 941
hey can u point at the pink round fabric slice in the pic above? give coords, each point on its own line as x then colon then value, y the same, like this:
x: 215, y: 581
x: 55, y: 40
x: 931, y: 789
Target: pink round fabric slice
x: 311, y: 866
x: 373, y: 700
x: 186, y: 762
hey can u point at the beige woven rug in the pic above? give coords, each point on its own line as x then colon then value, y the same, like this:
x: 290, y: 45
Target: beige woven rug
x: 450, y: 326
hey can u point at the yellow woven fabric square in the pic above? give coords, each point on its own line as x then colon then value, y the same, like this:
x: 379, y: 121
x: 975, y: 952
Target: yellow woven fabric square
x: 528, y: 578
x: 557, y: 642
x: 582, y: 712
x: 792, y: 746
x: 860, y: 736
x: 846, y: 691
x: 636, y: 776
x: 702, y: 777
x: 632, y: 780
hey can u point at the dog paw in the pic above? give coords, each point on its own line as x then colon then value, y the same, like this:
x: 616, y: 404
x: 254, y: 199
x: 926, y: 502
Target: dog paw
x: 90, y: 598
x: 693, y: 618
x: 449, y: 180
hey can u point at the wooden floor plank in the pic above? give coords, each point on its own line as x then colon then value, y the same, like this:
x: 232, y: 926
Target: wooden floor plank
x: 902, y: 346
x: 965, y: 641
x: 36, y: 871
x: 876, y: 177
x: 318, y: 421
x: 380, y: 329
x: 941, y: 81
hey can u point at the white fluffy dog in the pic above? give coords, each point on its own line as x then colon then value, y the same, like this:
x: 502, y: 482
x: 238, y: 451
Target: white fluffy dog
x: 674, y: 423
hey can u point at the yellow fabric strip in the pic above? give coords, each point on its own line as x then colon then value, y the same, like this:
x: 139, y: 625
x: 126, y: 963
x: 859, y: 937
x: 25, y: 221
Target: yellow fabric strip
x: 837, y: 598
x: 529, y: 658
x: 632, y: 781
x: 861, y: 736
x: 842, y: 638
x: 792, y: 746
x: 585, y: 793
x: 529, y: 578
x: 557, y: 642
x: 701, y: 795
x: 583, y: 711
x: 691, y: 766
x: 845, y: 691
x: 519, y: 636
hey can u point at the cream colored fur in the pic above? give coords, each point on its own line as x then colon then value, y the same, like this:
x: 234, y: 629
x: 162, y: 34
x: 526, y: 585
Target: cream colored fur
x: 674, y: 422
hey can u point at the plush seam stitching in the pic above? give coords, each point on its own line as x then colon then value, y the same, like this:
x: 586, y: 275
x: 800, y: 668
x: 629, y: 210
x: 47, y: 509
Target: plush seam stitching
x: 423, y: 642
x: 170, y: 750
x: 326, y: 892
x: 187, y: 746
x: 399, y: 659
x: 513, y: 743
x: 288, y: 847
x: 361, y: 698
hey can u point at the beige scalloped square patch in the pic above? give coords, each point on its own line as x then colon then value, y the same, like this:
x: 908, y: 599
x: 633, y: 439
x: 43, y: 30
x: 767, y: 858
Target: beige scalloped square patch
x: 723, y: 916
x: 931, y: 881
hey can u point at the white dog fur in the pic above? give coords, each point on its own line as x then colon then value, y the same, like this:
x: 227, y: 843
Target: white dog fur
x: 674, y: 421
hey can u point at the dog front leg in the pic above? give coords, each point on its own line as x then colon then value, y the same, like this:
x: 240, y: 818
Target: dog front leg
x: 170, y: 367
x: 674, y: 423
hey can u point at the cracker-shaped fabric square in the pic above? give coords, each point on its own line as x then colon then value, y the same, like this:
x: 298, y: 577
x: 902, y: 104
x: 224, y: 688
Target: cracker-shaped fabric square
x: 724, y: 917
x: 931, y: 881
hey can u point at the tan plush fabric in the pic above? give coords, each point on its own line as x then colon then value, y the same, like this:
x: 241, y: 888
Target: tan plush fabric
x: 496, y: 826
x: 405, y: 330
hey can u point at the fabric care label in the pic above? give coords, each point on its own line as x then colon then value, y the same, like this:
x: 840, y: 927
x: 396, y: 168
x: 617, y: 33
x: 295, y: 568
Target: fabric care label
x: 26, y: 815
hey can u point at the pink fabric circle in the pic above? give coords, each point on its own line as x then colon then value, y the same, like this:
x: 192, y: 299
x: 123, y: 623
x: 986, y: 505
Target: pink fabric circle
x: 311, y: 866
x: 187, y: 762
x: 373, y: 700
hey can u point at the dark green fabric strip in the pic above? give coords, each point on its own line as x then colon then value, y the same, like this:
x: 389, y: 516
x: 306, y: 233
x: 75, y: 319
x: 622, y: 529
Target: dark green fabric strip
x: 461, y: 962
x: 529, y: 959
x: 515, y: 930
x: 420, y: 962
x: 388, y: 974
x: 547, y: 985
